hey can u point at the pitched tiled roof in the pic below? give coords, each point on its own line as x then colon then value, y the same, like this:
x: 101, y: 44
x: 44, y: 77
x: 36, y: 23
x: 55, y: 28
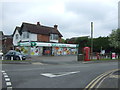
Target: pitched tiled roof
x: 17, y: 28
x: 39, y: 29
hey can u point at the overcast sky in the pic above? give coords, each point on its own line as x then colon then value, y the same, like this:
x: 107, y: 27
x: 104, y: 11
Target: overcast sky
x: 73, y: 17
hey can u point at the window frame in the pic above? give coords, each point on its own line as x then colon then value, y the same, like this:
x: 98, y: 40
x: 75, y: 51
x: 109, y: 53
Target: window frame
x: 25, y: 35
x: 54, y: 37
x: 16, y: 36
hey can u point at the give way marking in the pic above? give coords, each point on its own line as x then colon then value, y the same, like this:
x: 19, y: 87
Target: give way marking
x: 52, y: 75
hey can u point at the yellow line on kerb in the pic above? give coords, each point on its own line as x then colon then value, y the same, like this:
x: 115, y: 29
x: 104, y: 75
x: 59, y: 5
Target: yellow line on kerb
x: 97, y: 79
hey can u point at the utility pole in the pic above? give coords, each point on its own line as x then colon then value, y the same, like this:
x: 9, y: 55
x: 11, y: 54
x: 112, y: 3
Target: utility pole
x: 91, y: 40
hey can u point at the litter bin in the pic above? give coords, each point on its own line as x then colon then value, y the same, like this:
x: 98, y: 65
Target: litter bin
x: 80, y: 57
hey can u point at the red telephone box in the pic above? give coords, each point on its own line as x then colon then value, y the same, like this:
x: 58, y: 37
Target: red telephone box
x: 86, y: 52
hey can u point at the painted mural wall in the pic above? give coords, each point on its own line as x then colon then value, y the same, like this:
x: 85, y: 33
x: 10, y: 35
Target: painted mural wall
x: 33, y: 50
x: 64, y: 51
x: 40, y: 49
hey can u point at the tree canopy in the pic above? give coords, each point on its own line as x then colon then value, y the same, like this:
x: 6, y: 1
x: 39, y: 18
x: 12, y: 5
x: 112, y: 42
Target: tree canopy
x: 114, y: 38
x: 110, y: 43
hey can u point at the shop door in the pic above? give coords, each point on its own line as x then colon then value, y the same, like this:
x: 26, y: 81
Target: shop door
x: 47, y: 51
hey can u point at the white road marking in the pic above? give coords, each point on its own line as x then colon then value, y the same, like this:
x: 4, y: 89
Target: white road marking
x: 48, y: 75
x: 2, y: 71
x: 9, y: 88
x: 101, y: 82
x: 8, y: 83
x: 5, y: 76
x: 97, y: 79
x: 7, y: 79
x: 51, y: 75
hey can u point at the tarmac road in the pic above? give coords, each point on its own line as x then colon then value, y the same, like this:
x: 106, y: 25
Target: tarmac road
x: 63, y: 75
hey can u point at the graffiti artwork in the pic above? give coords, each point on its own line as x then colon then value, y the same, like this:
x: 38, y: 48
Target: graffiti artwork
x: 34, y: 51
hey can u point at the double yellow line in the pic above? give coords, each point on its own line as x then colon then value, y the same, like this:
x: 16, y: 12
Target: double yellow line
x: 98, y: 80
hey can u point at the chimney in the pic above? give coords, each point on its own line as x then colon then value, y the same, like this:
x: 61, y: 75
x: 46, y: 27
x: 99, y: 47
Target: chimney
x: 38, y: 23
x: 55, y: 26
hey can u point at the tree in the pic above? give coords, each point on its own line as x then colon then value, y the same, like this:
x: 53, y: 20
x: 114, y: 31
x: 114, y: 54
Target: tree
x: 101, y: 43
x: 83, y: 42
x: 114, y: 38
x: 62, y: 40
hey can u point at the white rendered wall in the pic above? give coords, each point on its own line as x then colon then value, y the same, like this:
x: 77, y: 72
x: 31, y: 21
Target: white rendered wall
x: 15, y: 41
x: 32, y: 37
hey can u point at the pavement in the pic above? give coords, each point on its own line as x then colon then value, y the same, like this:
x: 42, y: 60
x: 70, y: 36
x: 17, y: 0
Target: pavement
x: 109, y: 79
x: 55, y: 60
x: 112, y: 81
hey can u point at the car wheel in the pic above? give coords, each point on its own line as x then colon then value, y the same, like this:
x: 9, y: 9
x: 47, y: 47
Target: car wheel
x: 17, y: 58
x: 6, y: 58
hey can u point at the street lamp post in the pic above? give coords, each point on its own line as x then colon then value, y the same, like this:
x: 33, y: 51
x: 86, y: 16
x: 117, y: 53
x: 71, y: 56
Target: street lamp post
x: 91, y: 40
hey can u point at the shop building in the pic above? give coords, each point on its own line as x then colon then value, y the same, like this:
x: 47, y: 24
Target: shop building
x: 36, y: 39
x: 52, y: 49
x: 37, y: 33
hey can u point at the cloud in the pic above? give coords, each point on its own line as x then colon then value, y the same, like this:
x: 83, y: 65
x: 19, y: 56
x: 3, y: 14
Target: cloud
x: 102, y: 13
x: 91, y: 10
x: 72, y: 16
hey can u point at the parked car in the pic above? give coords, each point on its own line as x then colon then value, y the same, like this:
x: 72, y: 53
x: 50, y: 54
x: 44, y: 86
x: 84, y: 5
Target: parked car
x: 12, y: 54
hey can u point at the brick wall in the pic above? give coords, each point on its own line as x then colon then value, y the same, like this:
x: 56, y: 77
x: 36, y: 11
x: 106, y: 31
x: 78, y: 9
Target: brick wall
x: 42, y: 38
x: 60, y: 40
x: 45, y: 38
x: 7, y: 45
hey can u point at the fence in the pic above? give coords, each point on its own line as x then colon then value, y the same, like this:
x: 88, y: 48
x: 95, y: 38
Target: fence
x: 105, y: 56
